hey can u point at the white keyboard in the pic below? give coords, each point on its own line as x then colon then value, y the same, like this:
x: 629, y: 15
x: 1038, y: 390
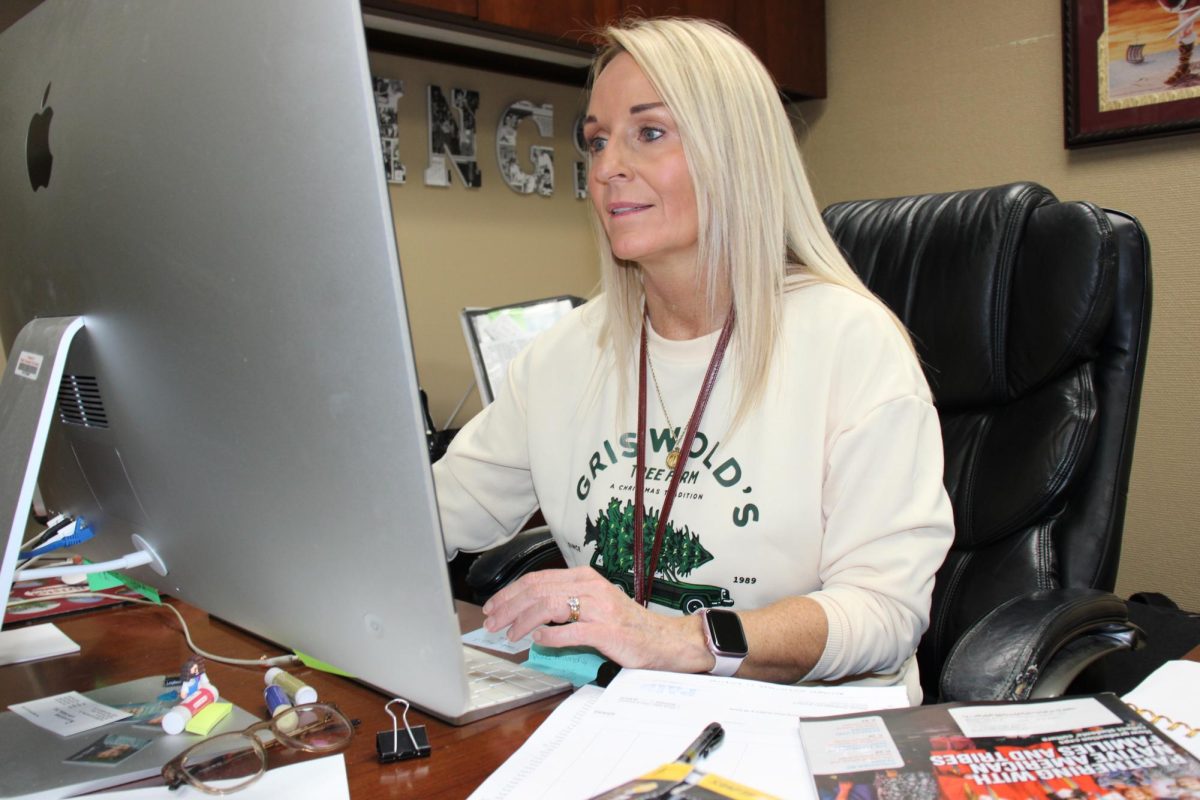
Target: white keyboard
x: 497, y: 685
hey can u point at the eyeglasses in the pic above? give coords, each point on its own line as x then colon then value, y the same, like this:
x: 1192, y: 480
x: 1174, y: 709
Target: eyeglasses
x: 232, y: 761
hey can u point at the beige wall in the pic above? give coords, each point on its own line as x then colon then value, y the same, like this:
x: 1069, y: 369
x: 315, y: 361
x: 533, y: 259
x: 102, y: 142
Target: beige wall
x: 483, y: 247
x: 924, y: 97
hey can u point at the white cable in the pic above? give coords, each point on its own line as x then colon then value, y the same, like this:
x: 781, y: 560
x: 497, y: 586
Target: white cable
x: 59, y: 558
x: 49, y: 524
x: 129, y: 561
x: 458, y: 407
x: 187, y: 634
x: 64, y: 560
x: 32, y: 559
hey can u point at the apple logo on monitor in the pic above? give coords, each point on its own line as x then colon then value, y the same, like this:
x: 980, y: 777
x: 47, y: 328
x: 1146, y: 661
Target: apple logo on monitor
x: 37, y: 146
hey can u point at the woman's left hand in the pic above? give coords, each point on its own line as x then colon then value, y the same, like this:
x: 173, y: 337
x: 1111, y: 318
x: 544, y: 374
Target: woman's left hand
x: 608, y: 620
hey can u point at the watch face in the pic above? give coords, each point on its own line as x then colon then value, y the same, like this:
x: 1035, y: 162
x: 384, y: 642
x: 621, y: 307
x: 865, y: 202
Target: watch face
x: 726, y: 631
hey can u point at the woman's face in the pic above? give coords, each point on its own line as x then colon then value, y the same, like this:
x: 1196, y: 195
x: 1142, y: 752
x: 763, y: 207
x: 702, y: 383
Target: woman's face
x: 639, y: 180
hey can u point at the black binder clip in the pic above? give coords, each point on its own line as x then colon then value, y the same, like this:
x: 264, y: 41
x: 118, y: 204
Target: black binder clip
x: 391, y: 747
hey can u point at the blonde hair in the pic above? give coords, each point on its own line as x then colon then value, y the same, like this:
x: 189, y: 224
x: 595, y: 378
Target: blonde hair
x: 760, y: 230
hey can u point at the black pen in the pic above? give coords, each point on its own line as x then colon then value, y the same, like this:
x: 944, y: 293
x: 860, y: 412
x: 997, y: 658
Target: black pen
x: 709, y: 739
x: 665, y: 781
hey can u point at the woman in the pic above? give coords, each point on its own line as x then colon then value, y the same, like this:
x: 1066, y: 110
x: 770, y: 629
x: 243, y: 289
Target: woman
x: 808, y: 505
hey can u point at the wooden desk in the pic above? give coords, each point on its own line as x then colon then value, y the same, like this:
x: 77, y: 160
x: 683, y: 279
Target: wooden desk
x: 124, y: 643
x: 121, y: 644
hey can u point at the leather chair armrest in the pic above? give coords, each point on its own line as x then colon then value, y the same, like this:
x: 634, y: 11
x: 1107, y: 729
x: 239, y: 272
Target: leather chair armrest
x: 494, y: 569
x: 1034, y: 645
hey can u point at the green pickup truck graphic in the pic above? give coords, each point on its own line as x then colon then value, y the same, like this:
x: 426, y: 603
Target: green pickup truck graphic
x: 681, y: 553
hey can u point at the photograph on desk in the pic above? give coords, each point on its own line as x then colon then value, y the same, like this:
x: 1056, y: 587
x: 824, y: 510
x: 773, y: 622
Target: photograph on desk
x: 1071, y: 748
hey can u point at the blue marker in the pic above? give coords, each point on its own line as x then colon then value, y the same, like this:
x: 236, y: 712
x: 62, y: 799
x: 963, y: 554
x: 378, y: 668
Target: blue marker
x: 277, y: 700
x: 280, y: 707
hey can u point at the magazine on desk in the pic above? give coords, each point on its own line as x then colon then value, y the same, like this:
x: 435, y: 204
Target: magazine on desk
x: 1078, y: 747
x: 52, y: 597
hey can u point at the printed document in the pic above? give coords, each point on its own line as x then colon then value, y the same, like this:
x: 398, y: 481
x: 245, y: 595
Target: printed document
x: 318, y: 779
x: 598, y: 739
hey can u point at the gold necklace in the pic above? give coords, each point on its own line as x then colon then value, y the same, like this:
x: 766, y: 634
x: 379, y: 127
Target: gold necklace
x: 673, y: 456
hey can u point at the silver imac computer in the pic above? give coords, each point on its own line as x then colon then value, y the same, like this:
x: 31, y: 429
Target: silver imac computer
x: 197, y: 186
x: 495, y: 335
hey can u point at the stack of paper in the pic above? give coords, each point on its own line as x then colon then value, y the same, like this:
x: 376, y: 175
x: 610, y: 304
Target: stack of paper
x: 34, y: 642
x: 318, y: 779
x: 598, y: 738
x: 1170, y: 698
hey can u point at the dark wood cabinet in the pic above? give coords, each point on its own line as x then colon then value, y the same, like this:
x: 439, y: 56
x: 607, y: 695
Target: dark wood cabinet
x: 567, y: 20
x: 788, y: 35
x: 719, y: 10
x: 464, y: 8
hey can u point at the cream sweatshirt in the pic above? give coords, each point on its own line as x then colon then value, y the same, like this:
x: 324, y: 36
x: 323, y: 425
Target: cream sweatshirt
x: 831, y: 488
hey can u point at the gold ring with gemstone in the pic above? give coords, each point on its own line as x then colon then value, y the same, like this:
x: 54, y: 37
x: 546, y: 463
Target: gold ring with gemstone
x: 573, y: 604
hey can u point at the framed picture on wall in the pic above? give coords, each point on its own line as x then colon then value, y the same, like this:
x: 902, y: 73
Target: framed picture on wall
x: 1131, y: 69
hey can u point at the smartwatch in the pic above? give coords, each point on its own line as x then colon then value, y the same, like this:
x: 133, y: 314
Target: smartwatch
x: 726, y: 640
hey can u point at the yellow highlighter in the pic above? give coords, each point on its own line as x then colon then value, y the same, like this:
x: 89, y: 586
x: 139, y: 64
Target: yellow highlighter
x: 208, y: 717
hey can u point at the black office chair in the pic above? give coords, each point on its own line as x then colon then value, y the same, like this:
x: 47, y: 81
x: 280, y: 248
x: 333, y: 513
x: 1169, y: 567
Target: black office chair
x: 1031, y: 318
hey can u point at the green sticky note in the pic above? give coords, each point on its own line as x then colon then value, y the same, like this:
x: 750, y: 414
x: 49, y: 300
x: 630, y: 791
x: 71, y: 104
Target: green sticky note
x: 208, y: 717
x: 579, y: 665
x: 314, y: 663
x: 99, y: 581
x: 145, y: 590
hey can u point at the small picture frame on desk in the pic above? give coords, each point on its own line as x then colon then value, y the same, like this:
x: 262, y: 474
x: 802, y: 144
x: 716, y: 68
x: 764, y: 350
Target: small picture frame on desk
x: 1131, y: 69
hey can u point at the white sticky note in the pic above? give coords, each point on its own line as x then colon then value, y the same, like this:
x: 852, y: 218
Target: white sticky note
x: 498, y: 641
x: 68, y: 714
x: 841, y: 746
x: 1031, y: 719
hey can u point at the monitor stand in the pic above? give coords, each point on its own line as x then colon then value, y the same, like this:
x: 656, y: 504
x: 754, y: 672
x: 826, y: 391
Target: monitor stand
x: 27, y: 392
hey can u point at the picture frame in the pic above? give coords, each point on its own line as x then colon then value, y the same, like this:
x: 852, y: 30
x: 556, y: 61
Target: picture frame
x: 1117, y: 58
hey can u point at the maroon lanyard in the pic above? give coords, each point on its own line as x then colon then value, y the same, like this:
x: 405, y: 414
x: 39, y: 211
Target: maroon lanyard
x: 641, y: 584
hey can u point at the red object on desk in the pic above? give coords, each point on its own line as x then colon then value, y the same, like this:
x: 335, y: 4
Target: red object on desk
x: 55, y: 599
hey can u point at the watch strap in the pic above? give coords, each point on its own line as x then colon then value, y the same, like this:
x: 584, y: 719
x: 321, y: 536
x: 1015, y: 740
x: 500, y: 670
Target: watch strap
x: 726, y: 665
